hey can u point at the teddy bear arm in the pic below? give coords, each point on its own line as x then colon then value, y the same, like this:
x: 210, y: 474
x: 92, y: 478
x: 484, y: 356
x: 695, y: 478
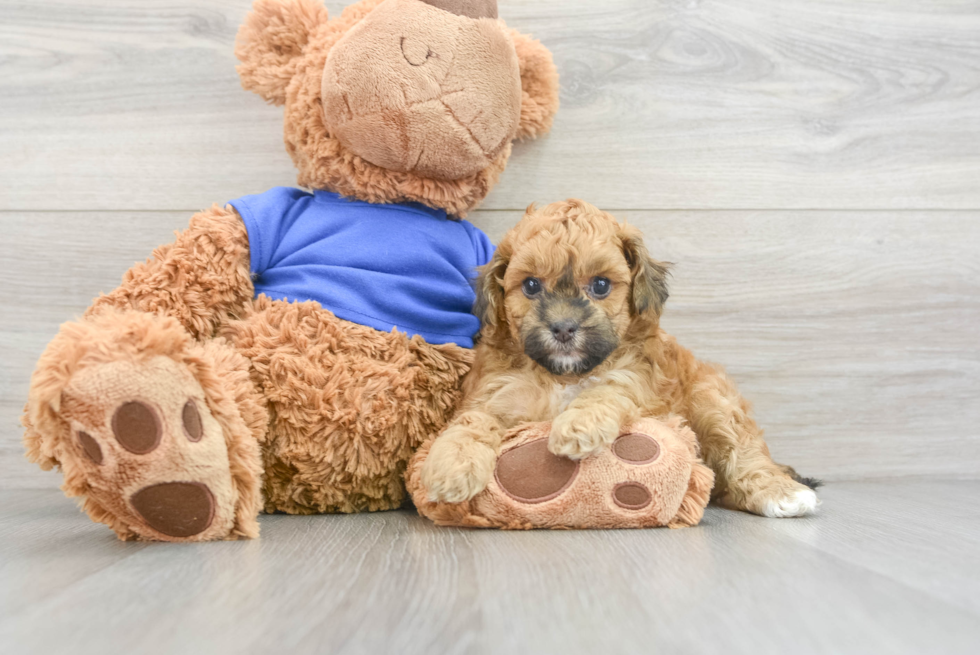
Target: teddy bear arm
x: 202, y: 279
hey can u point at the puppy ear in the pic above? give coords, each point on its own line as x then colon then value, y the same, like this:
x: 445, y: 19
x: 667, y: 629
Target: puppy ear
x: 489, y: 305
x: 271, y: 39
x: 649, y: 277
x: 539, y: 86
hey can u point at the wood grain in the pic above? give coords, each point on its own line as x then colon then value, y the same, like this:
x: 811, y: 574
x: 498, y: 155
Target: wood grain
x: 853, y: 333
x: 126, y: 104
x: 392, y: 582
x: 929, y: 522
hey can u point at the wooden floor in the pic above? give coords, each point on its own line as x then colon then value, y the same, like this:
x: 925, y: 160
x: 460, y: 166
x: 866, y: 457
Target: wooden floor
x: 887, y: 567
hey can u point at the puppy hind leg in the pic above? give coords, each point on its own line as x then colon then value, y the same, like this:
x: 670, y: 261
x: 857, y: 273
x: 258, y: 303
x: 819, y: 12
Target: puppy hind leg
x: 732, y: 445
x: 758, y: 485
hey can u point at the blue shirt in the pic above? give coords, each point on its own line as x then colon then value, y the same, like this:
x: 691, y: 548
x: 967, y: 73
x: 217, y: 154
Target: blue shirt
x: 400, y: 266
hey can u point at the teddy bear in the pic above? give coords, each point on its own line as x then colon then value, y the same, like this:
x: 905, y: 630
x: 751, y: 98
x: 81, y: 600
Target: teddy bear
x: 291, y: 349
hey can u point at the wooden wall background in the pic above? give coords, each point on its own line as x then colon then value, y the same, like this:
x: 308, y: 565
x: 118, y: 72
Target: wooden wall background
x: 812, y: 166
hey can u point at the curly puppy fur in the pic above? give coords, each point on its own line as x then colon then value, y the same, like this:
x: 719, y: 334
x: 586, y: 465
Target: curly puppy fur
x: 612, y: 334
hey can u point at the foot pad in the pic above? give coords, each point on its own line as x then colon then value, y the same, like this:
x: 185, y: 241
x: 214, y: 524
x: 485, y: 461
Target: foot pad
x: 530, y: 473
x: 176, y: 509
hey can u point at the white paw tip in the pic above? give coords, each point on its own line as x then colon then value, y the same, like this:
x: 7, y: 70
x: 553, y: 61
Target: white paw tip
x: 801, y: 503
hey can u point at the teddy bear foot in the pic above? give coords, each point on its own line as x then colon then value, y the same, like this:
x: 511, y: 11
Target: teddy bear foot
x: 649, y: 477
x: 152, y: 454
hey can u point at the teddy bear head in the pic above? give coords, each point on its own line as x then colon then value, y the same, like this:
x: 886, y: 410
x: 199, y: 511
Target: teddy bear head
x: 399, y: 100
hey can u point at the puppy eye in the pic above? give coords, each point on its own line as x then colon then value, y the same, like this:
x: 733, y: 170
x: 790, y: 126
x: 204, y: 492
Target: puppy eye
x: 600, y: 287
x: 531, y: 286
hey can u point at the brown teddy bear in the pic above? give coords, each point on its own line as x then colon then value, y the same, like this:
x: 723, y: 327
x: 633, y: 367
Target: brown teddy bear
x: 290, y: 349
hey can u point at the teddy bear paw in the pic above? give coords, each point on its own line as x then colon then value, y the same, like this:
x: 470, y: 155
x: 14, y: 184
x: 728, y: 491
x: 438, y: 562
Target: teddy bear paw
x: 152, y: 455
x: 647, y: 477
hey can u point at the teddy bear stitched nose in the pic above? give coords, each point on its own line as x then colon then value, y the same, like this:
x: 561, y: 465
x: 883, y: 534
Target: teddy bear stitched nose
x: 468, y: 8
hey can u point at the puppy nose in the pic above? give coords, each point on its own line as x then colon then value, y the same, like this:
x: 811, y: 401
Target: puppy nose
x: 564, y: 331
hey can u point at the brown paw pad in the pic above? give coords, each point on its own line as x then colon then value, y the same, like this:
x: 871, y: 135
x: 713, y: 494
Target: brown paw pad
x: 193, y: 426
x: 176, y: 509
x: 631, y: 495
x: 90, y: 447
x: 530, y: 473
x: 136, y: 427
x: 636, y: 448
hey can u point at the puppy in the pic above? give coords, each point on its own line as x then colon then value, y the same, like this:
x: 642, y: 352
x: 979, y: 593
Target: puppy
x: 570, y: 307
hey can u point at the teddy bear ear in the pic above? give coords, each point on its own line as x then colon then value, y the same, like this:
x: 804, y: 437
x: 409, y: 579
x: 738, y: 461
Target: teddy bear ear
x: 539, y: 86
x: 271, y: 39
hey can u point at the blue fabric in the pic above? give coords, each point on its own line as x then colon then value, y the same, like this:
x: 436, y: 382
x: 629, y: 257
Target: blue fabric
x: 400, y: 266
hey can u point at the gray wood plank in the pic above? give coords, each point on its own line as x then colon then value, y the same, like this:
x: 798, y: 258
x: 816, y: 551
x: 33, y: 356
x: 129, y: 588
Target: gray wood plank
x: 923, y: 533
x: 48, y: 544
x: 119, y: 104
x: 853, y: 333
x: 392, y: 582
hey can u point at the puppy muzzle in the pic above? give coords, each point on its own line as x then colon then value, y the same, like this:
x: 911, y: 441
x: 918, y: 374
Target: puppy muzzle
x: 567, y: 337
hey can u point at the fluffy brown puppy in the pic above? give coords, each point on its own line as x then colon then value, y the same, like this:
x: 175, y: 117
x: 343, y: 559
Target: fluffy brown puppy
x: 571, y: 306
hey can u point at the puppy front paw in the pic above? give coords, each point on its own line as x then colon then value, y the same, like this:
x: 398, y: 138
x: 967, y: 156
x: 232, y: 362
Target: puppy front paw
x: 578, y: 433
x: 457, y: 468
